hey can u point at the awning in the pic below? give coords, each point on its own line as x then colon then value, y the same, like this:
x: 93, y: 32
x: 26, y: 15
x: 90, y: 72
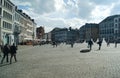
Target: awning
x: 28, y: 39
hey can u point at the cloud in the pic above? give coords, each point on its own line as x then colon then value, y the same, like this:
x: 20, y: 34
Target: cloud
x: 101, y: 12
x: 75, y: 22
x: 44, y: 6
x: 51, y: 23
x: 21, y: 3
x: 85, y: 8
x: 116, y: 8
x: 39, y: 6
x: 66, y: 13
x: 60, y: 5
x: 103, y: 2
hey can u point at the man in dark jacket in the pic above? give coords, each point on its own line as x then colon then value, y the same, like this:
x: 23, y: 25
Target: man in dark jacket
x: 13, y: 49
x: 6, y: 50
x: 100, y: 44
x: 90, y: 43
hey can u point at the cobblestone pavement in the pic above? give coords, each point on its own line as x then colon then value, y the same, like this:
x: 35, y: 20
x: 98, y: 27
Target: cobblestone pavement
x: 64, y: 62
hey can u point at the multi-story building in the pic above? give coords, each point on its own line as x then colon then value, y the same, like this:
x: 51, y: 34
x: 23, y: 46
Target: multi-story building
x: 72, y: 35
x: 29, y: 28
x: 82, y: 34
x: 24, y: 27
x: 40, y: 32
x: 34, y: 29
x: 47, y: 37
x: 64, y: 35
x: 109, y: 28
x: 117, y: 29
x: 61, y: 35
x: 15, y: 26
x: 7, y: 9
x: 53, y: 33
x: 1, y: 4
x: 91, y: 31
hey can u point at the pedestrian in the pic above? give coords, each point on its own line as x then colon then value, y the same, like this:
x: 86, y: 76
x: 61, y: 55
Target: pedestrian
x: 115, y: 43
x: 54, y: 44
x: 6, y: 51
x: 90, y: 43
x: 1, y: 50
x: 13, y: 52
x: 108, y: 43
x: 72, y: 43
x: 100, y: 44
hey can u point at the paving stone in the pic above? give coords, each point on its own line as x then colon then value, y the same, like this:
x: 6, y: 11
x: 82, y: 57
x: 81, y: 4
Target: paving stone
x: 64, y: 62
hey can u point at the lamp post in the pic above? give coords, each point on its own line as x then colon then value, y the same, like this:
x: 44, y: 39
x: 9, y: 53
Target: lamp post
x: 33, y: 38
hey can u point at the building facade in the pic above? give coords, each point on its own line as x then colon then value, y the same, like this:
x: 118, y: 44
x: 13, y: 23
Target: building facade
x: 15, y: 26
x: 82, y: 34
x: 72, y: 35
x: 64, y: 35
x: 6, y: 21
x: 109, y: 28
x: 117, y: 28
x: 61, y: 35
x: 91, y: 31
x: 40, y: 32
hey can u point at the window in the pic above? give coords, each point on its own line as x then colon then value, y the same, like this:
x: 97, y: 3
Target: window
x: 0, y: 2
x: 7, y: 25
x: 112, y: 30
x: 7, y: 15
x: 0, y: 11
x: 116, y: 26
x: 119, y: 19
x: 8, y: 6
x: 115, y: 20
x: 116, y: 31
x: 119, y: 25
x: 0, y: 22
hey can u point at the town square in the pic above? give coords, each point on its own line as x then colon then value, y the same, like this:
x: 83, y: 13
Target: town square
x: 59, y: 39
x: 63, y: 61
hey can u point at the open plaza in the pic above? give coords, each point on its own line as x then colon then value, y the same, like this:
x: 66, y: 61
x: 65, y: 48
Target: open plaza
x: 64, y: 62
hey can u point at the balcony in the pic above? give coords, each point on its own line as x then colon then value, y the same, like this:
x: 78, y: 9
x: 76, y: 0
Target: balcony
x: 17, y: 31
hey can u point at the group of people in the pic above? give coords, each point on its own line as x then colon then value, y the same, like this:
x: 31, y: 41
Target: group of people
x: 54, y: 44
x: 6, y: 50
x: 90, y: 43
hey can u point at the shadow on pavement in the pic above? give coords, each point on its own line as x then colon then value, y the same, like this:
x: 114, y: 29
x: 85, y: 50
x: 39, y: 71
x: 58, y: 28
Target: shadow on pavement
x: 2, y: 65
x: 84, y: 50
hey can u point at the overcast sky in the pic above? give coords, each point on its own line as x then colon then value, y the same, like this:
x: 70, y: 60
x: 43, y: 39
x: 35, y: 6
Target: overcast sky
x: 68, y: 13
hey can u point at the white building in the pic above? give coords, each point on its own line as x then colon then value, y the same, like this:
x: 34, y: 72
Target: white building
x: 25, y: 25
x: 7, y: 10
x: 117, y: 28
x: 109, y: 28
x: 15, y: 26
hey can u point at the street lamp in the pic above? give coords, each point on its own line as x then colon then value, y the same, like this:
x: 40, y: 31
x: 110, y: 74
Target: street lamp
x: 33, y: 38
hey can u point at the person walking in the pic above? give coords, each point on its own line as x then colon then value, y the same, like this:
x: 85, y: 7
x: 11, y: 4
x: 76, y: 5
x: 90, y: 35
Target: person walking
x: 108, y: 43
x: 6, y: 50
x: 13, y: 52
x: 115, y: 43
x: 1, y: 50
x: 72, y: 43
x: 90, y: 43
x: 54, y: 44
x: 100, y: 44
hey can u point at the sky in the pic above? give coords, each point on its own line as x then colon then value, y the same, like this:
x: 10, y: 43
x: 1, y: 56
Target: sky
x: 68, y: 13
